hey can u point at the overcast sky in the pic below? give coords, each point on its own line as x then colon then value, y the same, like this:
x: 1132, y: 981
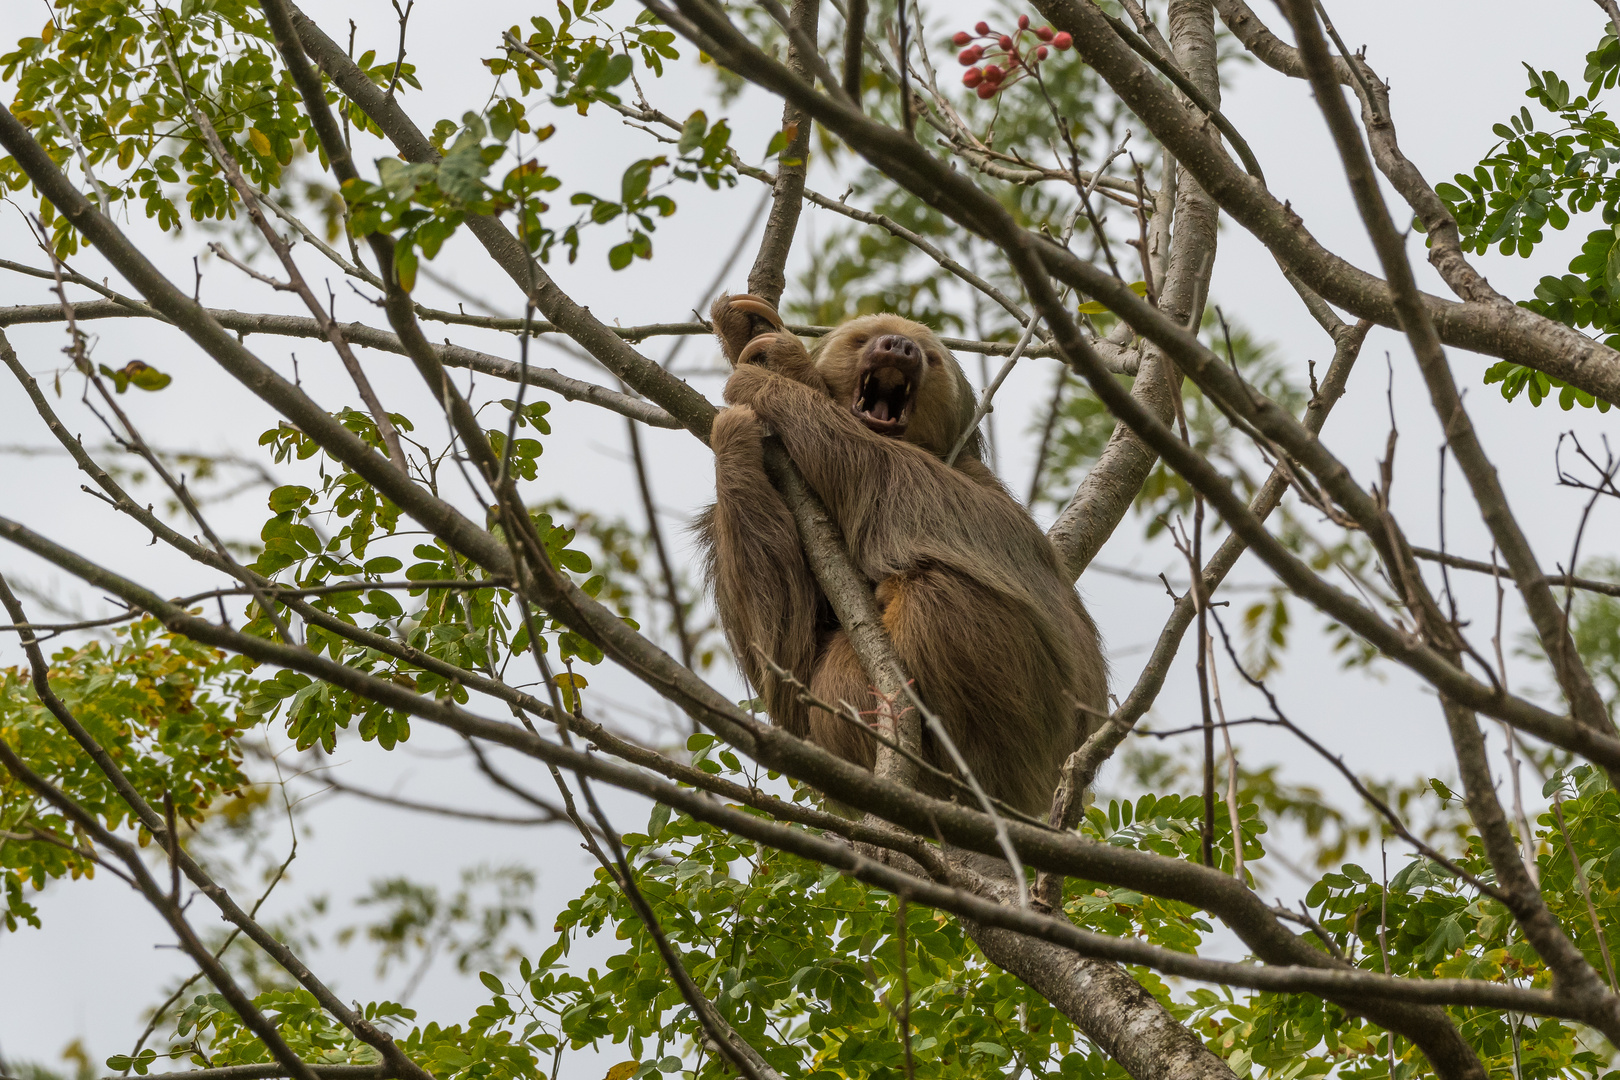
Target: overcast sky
x: 1454, y: 67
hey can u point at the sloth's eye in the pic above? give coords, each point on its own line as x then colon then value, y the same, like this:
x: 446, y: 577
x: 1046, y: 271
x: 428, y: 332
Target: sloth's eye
x: 860, y: 339
x: 934, y: 359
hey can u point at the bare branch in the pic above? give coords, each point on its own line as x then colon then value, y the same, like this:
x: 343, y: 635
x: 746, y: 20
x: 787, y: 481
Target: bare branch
x: 1495, y: 329
x: 1569, y: 581
x: 1445, y: 251
x: 1573, y: 678
x: 767, y: 279
x: 297, y: 284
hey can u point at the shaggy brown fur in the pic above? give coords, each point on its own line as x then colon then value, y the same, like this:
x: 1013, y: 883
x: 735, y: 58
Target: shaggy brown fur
x: 971, y: 591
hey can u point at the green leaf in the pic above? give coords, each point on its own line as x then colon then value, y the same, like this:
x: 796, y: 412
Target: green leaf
x: 658, y: 821
x: 618, y: 70
x: 405, y: 267
x: 636, y: 178
x: 492, y: 982
x: 140, y: 373
x: 289, y: 497
x: 1097, y: 307
x: 692, y: 132
x: 1611, y: 270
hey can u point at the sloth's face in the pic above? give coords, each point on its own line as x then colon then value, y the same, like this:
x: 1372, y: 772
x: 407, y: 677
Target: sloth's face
x: 897, y: 378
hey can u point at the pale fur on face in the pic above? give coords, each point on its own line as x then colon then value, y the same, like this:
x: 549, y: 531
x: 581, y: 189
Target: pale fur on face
x: 945, y: 401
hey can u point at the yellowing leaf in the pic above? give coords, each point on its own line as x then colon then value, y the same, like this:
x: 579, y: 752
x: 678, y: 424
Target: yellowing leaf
x: 138, y: 373
x: 48, y: 33
x: 623, y: 1070
x: 1097, y: 307
x: 260, y: 141
x: 570, y: 685
x: 150, y: 378
x: 405, y: 267
x: 144, y: 375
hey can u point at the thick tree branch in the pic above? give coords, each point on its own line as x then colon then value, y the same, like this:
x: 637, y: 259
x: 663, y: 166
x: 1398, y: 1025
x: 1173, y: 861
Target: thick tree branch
x: 854, y: 47
x: 1101, y: 998
x: 1501, y: 330
x: 651, y: 380
x: 1573, y: 974
x: 956, y: 195
x: 1320, y: 977
x: 768, y: 277
x: 1545, y: 612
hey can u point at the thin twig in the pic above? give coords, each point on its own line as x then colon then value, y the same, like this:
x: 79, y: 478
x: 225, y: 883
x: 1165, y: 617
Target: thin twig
x: 987, y: 399
x: 1383, y: 808
x: 1002, y: 837
x: 295, y: 278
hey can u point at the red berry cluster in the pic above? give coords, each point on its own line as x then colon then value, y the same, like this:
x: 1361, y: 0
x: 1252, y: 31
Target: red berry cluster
x: 1012, y: 58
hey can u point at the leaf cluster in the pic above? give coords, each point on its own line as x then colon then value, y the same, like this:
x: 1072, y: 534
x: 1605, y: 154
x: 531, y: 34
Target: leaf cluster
x: 161, y: 706
x: 1532, y: 179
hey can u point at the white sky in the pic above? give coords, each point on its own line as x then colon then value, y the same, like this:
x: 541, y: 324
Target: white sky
x: 1454, y: 70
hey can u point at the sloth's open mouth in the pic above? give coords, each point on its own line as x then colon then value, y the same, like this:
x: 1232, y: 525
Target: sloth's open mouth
x: 883, y: 399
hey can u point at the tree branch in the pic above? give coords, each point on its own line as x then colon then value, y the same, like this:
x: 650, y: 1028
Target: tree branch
x: 681, y: 401
x: 767, y: 279
x: 947, y: 815
x: 1080, y: 771
x: 1501, y: 330
x: 1545, y: 613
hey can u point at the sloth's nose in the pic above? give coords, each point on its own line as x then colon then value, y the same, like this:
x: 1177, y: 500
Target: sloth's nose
x: 898, y: 350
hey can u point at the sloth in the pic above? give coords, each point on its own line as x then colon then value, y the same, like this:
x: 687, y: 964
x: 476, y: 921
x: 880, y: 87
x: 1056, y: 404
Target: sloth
x: 982, y: 616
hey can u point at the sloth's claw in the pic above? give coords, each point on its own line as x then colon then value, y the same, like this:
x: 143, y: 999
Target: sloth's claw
x: 755, y: 350
x: 753, y: 305
x: 739, y: 320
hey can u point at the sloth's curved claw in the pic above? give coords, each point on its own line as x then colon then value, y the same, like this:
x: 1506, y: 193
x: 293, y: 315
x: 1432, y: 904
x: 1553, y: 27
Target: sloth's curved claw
x: 755, y: 306
x: 754, y: 352
x: 738, y: 320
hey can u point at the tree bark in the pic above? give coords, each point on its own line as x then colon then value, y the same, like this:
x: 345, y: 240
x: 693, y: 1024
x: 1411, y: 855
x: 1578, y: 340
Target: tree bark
x: 769, y: 277
x: 1105, y: 495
